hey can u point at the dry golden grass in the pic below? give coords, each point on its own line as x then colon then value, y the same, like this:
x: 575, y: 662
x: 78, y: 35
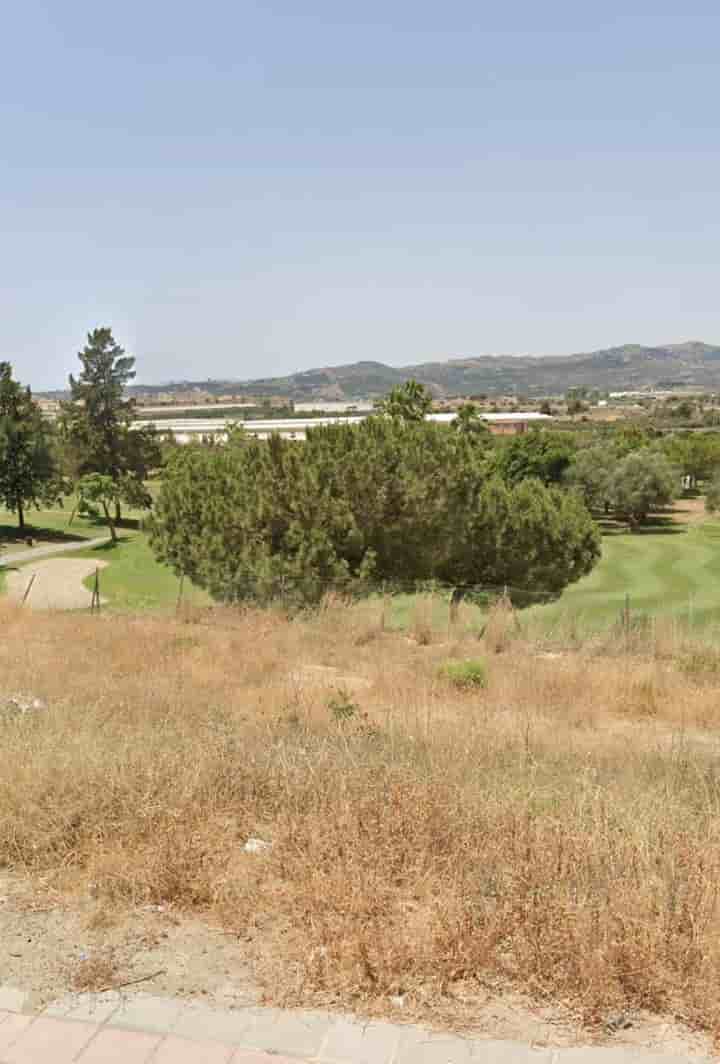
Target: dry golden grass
x: 557, y: 832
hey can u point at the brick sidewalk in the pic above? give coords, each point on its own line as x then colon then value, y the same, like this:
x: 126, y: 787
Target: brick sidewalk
x: 144, y: 1029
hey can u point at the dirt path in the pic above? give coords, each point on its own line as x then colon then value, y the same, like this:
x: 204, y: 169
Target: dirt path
x: 20, y: 557
x: 58, y: 583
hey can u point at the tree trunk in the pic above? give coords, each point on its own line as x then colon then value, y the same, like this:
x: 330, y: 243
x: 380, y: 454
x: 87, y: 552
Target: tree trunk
x: 118, y: 512
x: 455, y: 599
x: 21, y: 516
x: 111, y: 524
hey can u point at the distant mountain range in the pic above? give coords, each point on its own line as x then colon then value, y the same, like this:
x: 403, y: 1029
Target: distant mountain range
x: 628, y: 368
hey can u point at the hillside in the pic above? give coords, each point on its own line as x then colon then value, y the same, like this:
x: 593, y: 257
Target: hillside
x: 614, y: 369
x: 626, y: 368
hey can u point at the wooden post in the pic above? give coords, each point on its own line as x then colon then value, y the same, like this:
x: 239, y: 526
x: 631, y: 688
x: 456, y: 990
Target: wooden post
x: 180, y: 592
x: 95, y: 604
x: 28, y: 588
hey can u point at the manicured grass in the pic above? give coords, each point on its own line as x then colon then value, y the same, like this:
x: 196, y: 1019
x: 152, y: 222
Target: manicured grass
x: 134, y: 580
x: 47, y: 527
x: 666, y: 571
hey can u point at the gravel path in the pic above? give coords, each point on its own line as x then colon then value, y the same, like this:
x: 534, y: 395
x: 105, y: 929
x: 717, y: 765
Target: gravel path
x: 31, y: 555
x: 58, y: 583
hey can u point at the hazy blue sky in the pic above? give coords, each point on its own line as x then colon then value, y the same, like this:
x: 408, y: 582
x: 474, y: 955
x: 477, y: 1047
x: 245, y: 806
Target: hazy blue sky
x: 246, y: 189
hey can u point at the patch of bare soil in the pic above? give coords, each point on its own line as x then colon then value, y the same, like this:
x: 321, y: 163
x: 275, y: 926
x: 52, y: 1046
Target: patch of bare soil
x: 689, y: 511
x: 51, y: 947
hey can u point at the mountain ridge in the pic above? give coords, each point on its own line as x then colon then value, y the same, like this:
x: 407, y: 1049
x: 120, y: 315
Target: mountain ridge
x: 629, y: 367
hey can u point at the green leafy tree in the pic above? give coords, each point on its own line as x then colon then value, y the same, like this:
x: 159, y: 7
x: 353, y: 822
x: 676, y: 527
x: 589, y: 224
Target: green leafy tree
x: 97, y: 420
x: 590, y: 473
x: 712, y: 497
x: 642, y: 482
x: 98, y: 492
x: 540, y: 454
x: 694, y: 454
x: 410, y: 401
x: 28, y: 473
x: 469, y: 420
x: 389, y: 502
x: 631, y: 438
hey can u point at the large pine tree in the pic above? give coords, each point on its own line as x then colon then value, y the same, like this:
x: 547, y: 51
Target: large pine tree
x: 97, y: 420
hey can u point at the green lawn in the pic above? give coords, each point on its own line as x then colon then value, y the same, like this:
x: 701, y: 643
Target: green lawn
x: 665, y: 571
x: 47, y: 526
x: 133, y: 579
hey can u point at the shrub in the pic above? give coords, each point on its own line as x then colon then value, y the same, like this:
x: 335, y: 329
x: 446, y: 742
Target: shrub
x: 464, y: 674
x: 342, y: 706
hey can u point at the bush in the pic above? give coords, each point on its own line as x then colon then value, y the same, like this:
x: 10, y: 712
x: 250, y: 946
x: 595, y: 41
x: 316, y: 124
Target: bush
x: 464, y: 674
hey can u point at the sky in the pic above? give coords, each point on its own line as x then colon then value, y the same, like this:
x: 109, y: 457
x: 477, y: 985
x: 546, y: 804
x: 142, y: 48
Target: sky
x: 243, y: 189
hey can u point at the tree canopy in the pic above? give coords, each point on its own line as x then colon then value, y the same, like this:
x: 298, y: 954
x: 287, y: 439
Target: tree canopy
x: 28, y: 474
x: 410, y: 401
x: 97, y: 420
x: 544, y: 454
x: 391, y: 501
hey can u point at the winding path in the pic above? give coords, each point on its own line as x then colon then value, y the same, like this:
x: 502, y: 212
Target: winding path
x: 35, y: 553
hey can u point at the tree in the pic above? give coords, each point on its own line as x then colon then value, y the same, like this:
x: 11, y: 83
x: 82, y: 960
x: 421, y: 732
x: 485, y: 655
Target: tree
x: 540, y: 454
x: 590, y: 473
x: 28, y: 474
x: 410, y: 401
x: 97, y: 421
x: 641, y: 483
x: 712, y: 497
x: 470, y: 420
x: 387, y: 502
x: 695, y: 454
x: 99, y: 490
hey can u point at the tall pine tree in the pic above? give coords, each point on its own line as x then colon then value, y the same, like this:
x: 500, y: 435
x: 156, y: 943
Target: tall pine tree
x: 97, y: 420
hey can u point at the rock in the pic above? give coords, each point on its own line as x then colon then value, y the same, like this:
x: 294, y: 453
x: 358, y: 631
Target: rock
x: 257, y: 846
x: 618, y: 1021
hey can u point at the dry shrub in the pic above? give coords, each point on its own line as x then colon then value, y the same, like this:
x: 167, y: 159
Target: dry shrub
x: 501, y: 626
x: 422, y: 627
x: 94, y: 972
x: 559, y: 834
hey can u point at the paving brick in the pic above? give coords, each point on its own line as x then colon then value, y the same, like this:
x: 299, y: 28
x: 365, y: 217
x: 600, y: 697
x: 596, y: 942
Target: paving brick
x: 11, y: 999
x: 179, y: 1051
x: 49, y: 1040
x: 494, y: 1052
x: 361, y: 1043
x: 12, y: 1027
x: 145, y: 1012
x: 431, y: 1047
x: 90, y: 1008
x: 617, y: 1055
x: 244, y: 1056
x: 299, y: 1033
x: 113, y: 1046
x: 199, y: 1021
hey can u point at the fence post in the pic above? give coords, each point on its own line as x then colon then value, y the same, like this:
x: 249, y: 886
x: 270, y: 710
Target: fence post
x: 28, y: 588
x: 180, y: 592
x: 95, y: 603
